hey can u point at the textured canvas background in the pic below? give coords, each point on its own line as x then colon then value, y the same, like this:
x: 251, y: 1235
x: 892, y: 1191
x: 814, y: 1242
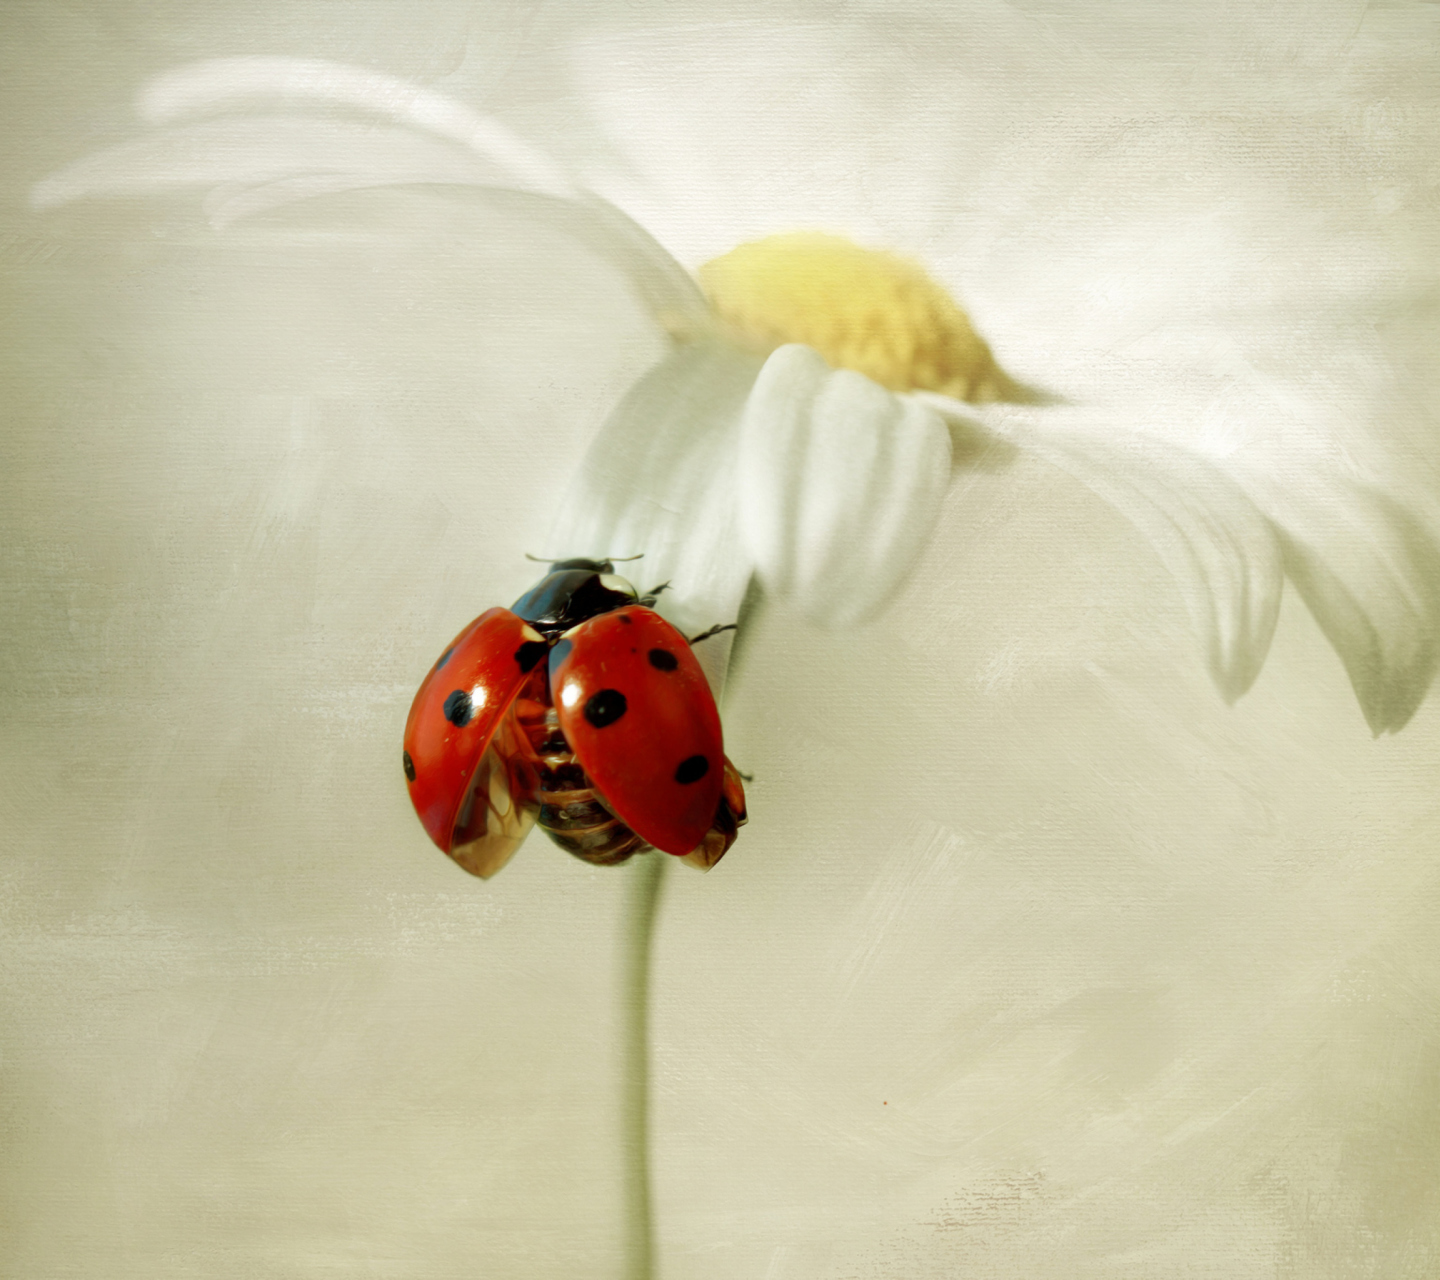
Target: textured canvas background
x: 1036, y: 960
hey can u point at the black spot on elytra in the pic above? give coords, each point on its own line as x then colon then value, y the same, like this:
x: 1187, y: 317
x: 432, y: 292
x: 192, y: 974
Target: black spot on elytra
x: 605, y: 707
x: 530, y: 653
x: 626, y: 619
x: 663, y: 660
x: 409, y: 766
x: 444, y: 657
x: 692, y: 769
x: 458, y: 709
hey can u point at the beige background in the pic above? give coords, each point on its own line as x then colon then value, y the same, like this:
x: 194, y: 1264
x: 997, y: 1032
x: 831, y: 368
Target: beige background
x: 1036, y: 959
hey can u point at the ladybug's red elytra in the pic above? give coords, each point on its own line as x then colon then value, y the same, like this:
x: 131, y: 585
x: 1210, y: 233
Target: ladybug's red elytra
x: 579, y: 708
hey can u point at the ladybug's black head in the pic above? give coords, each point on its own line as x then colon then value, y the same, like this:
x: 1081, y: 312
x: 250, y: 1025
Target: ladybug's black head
x: 571, y: 592
x: 595, y: 566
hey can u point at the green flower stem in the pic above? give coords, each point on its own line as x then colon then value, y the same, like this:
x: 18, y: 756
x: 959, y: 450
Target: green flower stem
x: 646, y: 873
x: 646, y: 878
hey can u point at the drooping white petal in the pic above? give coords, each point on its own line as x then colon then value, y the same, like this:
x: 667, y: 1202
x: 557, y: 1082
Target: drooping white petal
x: 255, y: 163
x: 228, y: 203
x: 259, y: 149
x: 840, y: 485
x: 660, y: 480
x: 1222, y: 551
x: 1365, y: 564
x: 1370, y: 572
x: 660, y: 284
x: 200, y: 87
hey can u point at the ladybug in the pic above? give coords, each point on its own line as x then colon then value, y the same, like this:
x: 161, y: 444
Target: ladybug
x: 582, y: 709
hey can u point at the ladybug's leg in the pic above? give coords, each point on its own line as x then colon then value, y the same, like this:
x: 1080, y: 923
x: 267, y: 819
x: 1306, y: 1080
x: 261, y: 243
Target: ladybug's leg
x: 714, y: 631
x: 649, y: 599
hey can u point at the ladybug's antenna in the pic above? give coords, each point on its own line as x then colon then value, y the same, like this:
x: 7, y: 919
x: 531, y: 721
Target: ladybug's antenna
x: 612, y: 559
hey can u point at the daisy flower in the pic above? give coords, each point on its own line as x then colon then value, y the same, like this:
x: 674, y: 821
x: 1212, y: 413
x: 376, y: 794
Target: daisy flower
x: 817, y: 398
x: 799, y: 432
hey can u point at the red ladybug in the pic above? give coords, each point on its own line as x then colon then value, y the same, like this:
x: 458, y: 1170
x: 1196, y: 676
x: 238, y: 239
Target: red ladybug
x: 581, y: 708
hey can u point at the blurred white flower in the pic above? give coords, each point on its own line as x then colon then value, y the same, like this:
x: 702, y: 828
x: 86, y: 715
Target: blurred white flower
x: 774, y: 441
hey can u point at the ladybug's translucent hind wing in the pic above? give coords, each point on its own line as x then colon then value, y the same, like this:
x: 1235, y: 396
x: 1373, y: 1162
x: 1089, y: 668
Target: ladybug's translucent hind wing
x: 462, y: 716
x: 498, y: 810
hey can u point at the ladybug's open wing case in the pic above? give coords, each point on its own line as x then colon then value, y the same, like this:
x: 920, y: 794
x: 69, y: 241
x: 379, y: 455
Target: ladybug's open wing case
x: 637, y: 711
x: 468, y: 784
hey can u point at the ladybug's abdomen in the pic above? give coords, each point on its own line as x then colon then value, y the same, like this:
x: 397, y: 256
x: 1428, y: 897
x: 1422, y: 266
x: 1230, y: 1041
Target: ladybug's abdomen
x: 572, y: 813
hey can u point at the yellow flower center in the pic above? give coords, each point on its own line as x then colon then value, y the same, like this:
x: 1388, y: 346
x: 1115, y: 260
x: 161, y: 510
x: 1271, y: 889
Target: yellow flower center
x: 861, y: 309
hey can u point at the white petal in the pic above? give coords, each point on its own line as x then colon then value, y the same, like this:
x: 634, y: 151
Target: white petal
x: 259, y: 149
x: 661, y: 285
x: 1366, y: 566
x: 840, y: 485
x: 229, y: 203
x: 1370, y: 573
x: 1222, y: 551
x: 202, y: 86
x: 660, y: 480
x: 256, y: 163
